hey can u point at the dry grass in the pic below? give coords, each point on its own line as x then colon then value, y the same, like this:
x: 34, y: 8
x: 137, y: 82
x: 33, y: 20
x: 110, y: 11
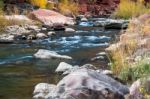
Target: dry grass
x: 119, y: 58
x: 5, y: 22
x: 128, y: 9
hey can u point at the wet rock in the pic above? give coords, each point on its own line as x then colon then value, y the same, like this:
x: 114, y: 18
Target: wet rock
x: 31, y: 37
x: 87, y: 84
x: 101, y: 54
x: 97, y: 58
x: 69, y: 30
x: 41, y: 36
x: 62, y: 67
x: 51, y: 33
x: 49, y: 17
x: 84, y: 19
x: 7, y: 37
x: 46, y: 54
x: 42, y: 89
x: 111, y: 23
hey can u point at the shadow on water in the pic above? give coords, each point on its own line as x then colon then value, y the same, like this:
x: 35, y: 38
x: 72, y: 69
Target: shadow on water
x: 20, y: 71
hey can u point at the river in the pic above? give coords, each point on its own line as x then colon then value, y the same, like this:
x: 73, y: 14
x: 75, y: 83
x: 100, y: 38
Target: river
x: 20, y: 71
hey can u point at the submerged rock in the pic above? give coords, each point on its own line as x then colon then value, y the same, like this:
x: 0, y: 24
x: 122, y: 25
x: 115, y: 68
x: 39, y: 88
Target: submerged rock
x: 62, y: 67
x: 85, y: 84
x: 46, y: 54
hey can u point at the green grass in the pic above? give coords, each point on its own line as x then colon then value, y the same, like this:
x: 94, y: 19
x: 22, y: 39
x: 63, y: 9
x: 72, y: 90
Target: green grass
x: 135, y: 71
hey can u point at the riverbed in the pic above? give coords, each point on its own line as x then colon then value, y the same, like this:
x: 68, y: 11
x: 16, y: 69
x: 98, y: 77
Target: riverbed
x: 20, y: 71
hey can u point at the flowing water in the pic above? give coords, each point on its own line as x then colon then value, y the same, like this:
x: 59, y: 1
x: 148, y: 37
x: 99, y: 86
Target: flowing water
x: 20, y: 71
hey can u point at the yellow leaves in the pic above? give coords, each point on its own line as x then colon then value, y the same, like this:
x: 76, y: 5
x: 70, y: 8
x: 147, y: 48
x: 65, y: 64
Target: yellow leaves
x: 40, y: 3
x: 68, y: 7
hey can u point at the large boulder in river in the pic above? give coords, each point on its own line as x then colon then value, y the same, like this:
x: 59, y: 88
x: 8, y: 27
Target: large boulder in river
x: 49, y: 17
x: 46, y: 54
x: 85, y: 84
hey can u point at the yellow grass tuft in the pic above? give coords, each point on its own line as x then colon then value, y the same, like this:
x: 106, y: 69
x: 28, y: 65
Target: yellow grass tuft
x: 128, y: 9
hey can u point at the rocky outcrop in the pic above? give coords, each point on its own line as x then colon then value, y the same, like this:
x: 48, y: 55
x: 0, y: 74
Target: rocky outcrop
x: 82, y: 84
x: 50, y: 18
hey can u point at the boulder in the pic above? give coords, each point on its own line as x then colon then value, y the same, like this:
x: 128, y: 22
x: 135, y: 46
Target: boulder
x: 49, y: 17
x: 86, y: 84
x: 41, y: 36
x: 46, y: 54
x: 62, y: 67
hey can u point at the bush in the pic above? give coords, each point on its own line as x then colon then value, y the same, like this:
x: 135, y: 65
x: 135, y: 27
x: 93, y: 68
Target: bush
x: 68, y: 7
x: 1, y: 6
x: 140, y: 69
x: 128, y: 9
x: 39, y: 3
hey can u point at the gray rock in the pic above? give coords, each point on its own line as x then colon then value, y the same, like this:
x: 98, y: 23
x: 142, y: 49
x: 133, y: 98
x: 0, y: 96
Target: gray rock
x: 97, y: 58
x: 84, y: 19
x: 69, y: 30
x: 46, y: 54
x: 87, y: 84
x: 42, y: 89
x: 31, y: 37
x: 51, y: 33
x: 17, y: 30
x: 41, y: 36
x: 62, y: 67
x: 101, y: 54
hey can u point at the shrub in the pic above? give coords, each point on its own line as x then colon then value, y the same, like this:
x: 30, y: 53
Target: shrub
x: 128, y: 9
x: 135, y: 71
x: 68, y: 7
x: 5, y: 22
x: 1, y: 6
x: 39, y: 3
